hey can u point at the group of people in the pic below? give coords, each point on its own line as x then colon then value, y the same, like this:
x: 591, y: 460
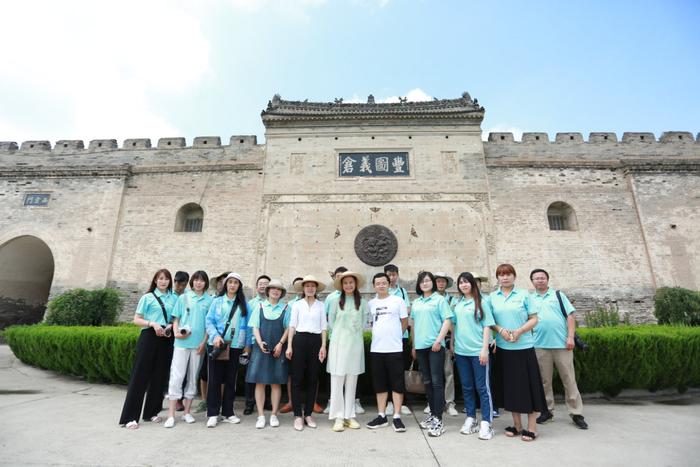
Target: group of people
x: 504, y: 346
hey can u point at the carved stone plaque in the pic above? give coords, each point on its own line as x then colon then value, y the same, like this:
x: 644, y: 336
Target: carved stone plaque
x: 376, y: 245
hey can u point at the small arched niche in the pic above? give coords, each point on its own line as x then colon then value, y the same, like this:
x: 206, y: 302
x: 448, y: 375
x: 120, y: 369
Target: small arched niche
x: 561, y: 216
x: 190, y: 218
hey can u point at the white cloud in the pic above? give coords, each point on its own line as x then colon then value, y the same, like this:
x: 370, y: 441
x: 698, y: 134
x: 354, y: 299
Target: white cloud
x: 414, y: 95
x: 92, y: 65
x: 502, y: 128
x: 289, y: 9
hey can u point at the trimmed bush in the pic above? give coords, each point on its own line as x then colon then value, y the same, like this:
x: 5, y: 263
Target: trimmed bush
x: 623, y: 357
x: 80, y: 307
x: 676, y: 305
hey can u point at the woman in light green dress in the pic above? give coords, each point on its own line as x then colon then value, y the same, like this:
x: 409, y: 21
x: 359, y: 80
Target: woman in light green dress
x: 346, y: 354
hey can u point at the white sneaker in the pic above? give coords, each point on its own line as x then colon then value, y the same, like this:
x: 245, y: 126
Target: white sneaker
x: 169, y: 423
x: 358, y: 407
x: 260, y: 423
x: 274, y: 421
x: 469, y: 426
x: 437, y: 429
x: 328, y: 407
x: 188, y: 418
x: 212, y: 421
x: 451, y: 410
x: 390, y: 408
x: 426, y: 409
x: 427, y: 422
x: 405, y: 410
x: 232, y: 419
x: 485, y: 432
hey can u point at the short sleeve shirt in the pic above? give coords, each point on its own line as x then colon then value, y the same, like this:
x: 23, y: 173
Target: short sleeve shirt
x: 386, y: 315
x: 511, y: 312
x: 551, y: 330
x: 191, y: 310
x: 468, y: 330
x: 150, y: 309
x: 428, y: 315
x: 270, y: 312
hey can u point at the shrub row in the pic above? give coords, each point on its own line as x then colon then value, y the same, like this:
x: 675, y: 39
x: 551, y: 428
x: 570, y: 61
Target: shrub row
x: 625, y: 357
x: 676, y: 305
x: 80, y: 307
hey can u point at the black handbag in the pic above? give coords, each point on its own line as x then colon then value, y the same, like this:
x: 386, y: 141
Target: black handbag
x: 578, y: 342
x: 223, y: 352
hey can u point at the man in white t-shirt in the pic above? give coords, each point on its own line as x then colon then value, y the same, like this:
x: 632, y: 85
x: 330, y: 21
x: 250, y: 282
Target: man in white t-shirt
x: 389, y: 320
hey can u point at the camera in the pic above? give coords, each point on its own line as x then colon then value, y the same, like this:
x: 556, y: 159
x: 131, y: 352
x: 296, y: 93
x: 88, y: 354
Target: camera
x: 184, y: 330
x: 214, y: 351
x: 167, y: 331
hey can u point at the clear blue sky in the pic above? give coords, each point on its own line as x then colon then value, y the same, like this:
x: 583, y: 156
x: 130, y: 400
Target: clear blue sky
x: 86, y: 70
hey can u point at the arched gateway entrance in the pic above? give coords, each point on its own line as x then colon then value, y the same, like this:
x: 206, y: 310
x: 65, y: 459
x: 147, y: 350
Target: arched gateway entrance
x: 26, y: 272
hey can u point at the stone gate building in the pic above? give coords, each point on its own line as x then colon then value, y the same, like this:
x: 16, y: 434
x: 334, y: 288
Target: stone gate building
x: 611, y: 220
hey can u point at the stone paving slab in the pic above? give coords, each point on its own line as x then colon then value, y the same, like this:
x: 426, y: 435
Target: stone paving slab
x: 50, y: 419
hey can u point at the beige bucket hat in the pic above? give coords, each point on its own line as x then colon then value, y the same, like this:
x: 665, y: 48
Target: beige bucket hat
x: 444, y: 275
x: 299, y: 285
x: 337, y: 283
x: 276, y: 284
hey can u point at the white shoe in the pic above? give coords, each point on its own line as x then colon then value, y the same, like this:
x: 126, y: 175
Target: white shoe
x: 437, y: 428
x: 188, y: 418
x: 426, y: 409
x: 212, y: 421
x: 260, y: 423
x: 274, y: 421
x: 358, y: 407
x: 469, y: 426
x: 328, y: 407
x: 451, y: 410
x: 427, y: 422
x: 232, y: 419
x: 485, y: 432
x: 390, y: 408
x: 169, y: 423
x: 405, y: 410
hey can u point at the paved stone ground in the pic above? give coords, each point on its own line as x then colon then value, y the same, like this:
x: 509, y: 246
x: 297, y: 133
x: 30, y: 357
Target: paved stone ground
x: 49, y: 419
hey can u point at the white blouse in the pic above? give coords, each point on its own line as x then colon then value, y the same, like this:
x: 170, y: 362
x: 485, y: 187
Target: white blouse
x: 308, y: 319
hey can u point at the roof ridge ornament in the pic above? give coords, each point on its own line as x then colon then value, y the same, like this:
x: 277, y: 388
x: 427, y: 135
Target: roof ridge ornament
x: 370, y: 99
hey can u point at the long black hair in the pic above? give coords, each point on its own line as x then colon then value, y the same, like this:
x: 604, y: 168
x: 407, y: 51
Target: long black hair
x: 421, y: 276
x: 355, y: 295
x: 476, y: 293
x: 153, y: 285
x: 240, y: 296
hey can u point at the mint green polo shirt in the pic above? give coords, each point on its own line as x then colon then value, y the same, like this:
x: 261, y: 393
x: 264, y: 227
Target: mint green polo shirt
x: 149, y: 308
x: 551, y: 330
x: 335, y: 295
x: 270, y: 312
x: 191, y: 310
x: 511, y: 312
x: 428, y: 315
x: 468, y: 331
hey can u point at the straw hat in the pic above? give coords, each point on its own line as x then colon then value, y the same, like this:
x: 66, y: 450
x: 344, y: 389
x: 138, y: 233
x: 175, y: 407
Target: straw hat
x: 444, y: 275
x: 299, y: 285
x: 276, y: 284
x: 337, y: 283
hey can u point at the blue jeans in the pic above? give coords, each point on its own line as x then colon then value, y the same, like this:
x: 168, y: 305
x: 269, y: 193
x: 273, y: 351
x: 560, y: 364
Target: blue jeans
x: 432, y: 370
x: 472, y: 373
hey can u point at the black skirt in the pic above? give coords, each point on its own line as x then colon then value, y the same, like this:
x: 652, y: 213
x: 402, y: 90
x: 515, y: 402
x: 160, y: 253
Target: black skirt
x: 517, y: 381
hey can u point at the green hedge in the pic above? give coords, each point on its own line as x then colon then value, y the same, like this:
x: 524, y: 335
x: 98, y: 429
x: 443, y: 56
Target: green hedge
x: 625, y: 357
x: 676, y: 305
x: 80, y: 307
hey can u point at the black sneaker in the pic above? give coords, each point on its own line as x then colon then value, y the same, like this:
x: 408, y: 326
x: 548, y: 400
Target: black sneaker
x: 379, y: 422
x: 545, y: 417
x: 399, y: 427
x: 248, y: 410
x: 579, y: 422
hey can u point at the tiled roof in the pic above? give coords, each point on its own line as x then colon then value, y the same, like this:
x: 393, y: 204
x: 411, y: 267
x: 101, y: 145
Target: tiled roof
x: 279, y: 110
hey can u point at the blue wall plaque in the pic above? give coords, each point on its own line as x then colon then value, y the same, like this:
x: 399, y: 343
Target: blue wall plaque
x: 373, y: 164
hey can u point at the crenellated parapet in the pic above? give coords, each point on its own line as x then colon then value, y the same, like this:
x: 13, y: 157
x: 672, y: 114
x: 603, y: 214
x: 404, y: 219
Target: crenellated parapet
x: 668, y: 137
x: 129, y: 144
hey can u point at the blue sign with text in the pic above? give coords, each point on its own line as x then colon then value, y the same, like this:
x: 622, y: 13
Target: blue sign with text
x: 37, y: 199
x: 373, y: 164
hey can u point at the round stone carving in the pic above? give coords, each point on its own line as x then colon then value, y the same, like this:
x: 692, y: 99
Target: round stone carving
x: 376, y: 245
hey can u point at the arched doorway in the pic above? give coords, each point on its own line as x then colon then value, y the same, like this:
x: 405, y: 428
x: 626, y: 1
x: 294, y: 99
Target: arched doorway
x: 26, y: 272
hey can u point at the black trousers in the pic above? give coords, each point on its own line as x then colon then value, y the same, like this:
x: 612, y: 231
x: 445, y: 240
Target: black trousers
x: 149, y: 377
x: 305, y: 366
x: 222, y: 372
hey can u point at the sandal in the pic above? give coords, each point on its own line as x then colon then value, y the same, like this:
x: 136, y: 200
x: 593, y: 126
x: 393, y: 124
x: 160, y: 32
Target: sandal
x: 511, y: 431
x: 528, y: 436
x: 132, y: 425
x: 156, y: 419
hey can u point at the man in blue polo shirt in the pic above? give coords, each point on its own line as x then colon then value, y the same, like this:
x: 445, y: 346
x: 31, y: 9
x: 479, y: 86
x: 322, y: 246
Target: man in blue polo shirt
x: 554, y: 344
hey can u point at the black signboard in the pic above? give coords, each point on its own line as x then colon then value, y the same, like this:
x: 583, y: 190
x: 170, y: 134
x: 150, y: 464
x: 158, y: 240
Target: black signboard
x: 373, y: 164
x: 36, y: 199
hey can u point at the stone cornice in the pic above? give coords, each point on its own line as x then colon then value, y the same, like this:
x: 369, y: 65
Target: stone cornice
x: 283, y: 111
x: 632, y: 165
x: 120, y: 171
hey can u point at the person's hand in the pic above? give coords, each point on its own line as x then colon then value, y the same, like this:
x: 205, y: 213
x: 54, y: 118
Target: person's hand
x: 263, y: 347
x: 246, y: 350
x: 218, y: 341
x: 277, y: 351
x: 160, y: 332
x: 492, y: 344
x: 484, y: 356
x: 516, y: 335
x: 436, y: 346
x: 570, y: 343
x: 200, y: 348
x: 288, y: 353
x: 322, y: 354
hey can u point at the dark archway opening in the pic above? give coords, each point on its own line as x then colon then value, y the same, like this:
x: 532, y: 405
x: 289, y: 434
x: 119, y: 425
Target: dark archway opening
x: 26, y: 273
